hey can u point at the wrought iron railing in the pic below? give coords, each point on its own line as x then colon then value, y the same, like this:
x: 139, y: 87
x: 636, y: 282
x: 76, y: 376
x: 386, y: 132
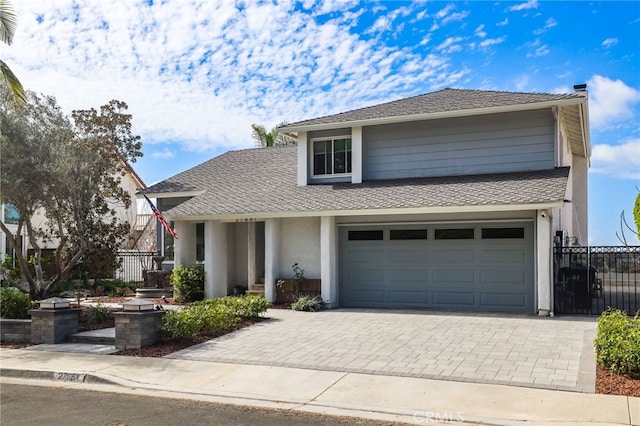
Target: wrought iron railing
x: 589, y: 280
x: 132, y: 263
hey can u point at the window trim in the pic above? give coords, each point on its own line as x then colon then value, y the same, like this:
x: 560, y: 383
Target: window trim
x: 332, y: 139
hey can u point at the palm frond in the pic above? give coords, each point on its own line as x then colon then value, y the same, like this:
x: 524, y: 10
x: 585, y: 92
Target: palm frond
x: 17, y: 92
x: 7, y: 22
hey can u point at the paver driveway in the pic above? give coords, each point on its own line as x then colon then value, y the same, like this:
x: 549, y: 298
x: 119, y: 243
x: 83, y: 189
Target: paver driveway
x: 553, y: 353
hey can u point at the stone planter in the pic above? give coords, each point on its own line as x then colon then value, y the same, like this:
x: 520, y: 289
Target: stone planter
x: 15, y: 330
x: 284, y: 294
x: 135, y: 330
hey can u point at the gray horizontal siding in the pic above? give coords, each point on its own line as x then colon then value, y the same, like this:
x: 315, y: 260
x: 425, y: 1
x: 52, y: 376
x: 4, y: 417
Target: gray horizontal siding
x: 467, y: 145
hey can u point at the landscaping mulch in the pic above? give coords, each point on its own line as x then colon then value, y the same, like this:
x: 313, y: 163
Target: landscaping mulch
x: 611, y: 383
x: 167, y: 347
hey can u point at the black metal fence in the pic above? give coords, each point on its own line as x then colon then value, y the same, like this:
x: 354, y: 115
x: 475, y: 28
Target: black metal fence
x: 132, y: 263
x: 589, y: 280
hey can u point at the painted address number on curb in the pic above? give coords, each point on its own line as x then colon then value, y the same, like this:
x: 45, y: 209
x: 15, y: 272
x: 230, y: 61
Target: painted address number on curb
x: 69, y: 377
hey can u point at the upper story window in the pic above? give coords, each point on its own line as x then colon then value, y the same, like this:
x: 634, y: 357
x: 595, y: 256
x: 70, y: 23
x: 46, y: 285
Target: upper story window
x: 11, y: 215
x: 332, y: 156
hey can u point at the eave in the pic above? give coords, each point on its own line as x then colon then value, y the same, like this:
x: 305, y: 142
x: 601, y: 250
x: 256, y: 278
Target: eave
x: 251, y: 217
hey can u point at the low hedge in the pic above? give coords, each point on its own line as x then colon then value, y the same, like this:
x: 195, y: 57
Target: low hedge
x: 15, y: 304
x: 618, y: 342
x: 213, y: 316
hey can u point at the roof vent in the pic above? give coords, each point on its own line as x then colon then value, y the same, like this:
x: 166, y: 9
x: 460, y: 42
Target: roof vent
x: 580, y: 87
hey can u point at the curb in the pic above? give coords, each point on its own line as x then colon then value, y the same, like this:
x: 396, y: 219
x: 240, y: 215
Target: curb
x: 63, y: 376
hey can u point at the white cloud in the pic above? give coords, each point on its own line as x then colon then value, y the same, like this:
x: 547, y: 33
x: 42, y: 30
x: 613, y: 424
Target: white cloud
x: 522, y: 83
x: 450, y: 45
x: 540, y: 49
x: 165, y: 153
x: 622, y: 161
x: 492, y: 41
x: 444, y: 11
x: 502, y: 23
x: 549, y: 24
x: 480, y: 32
x: 609, y: 42
x: 458, y: 16
x: 199, y: 73
x: 530, y: 4
x: 610, y: 101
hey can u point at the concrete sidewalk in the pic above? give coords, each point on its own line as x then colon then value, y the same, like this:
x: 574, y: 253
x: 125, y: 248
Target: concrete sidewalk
x: 402, y: 399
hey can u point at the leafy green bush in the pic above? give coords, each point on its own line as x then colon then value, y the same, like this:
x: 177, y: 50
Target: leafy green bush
x: 15, y: 304
x: 115, y: 286
x: 618, y: 342
x: 308, y: 304
x: 188, y: 283
x: 95, y: 314
x: 212, y: 316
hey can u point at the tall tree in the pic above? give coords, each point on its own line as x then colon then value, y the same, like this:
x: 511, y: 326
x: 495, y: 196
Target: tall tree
x: 70, y: 170
x: 265, y: 139
x: 7, y: 30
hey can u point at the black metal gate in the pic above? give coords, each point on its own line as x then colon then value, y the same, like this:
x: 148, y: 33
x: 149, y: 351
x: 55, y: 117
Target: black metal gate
x: 589, y: 280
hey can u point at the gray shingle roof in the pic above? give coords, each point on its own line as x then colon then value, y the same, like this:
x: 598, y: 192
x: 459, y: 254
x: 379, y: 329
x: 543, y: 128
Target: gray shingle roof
x: 263, y: 180
x: 441, y: 101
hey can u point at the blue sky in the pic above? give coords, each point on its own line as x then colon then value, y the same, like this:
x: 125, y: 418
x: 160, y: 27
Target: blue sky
x: 196, y: 74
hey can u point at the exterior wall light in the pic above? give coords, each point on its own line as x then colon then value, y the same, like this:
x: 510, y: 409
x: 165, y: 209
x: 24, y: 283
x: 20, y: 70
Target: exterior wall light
x: 137, y: 306
x: 54, y: 303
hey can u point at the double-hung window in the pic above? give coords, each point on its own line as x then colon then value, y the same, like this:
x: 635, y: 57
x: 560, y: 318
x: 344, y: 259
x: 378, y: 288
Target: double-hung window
x: 332, y: 156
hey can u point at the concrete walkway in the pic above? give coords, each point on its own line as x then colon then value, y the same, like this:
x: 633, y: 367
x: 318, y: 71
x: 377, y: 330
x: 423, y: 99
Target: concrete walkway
x: 392, y: 398
x: 550, y: 353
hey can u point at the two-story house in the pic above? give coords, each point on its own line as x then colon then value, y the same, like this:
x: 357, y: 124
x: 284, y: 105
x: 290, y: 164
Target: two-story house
x: 448, y: 200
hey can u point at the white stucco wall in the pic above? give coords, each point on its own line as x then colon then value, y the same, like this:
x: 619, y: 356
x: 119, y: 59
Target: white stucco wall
x: 299, y: 242
x: 238, y: 274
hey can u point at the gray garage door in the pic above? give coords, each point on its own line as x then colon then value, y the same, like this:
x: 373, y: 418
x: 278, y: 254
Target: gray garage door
x: 464, y: 267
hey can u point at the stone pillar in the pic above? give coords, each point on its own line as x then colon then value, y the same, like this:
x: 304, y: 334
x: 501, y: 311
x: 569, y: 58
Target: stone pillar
x: 215, y: 259
x: 185, y: 245
x: 271, y: 256
x: 544, y: 265
x: 53, y: 325
x: 135, y: 330
x: 328, y: 278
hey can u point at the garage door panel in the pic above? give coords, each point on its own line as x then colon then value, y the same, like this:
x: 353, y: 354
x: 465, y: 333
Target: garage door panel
x: 366, y: 275
x: 450, y: 299
x: 366, y: 255
x: 443, y: 255
x: 407, y: 256
x: 399, y: 276
x: 453, y: 276
x: 409, y: 297
x: 364, y: 297
x: 503, y: 256
x: 503, y: 300
x: 498, y: 277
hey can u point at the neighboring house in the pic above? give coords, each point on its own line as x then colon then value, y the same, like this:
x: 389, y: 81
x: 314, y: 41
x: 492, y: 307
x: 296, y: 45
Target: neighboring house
x: 131, y: 182
x: 448, y: 200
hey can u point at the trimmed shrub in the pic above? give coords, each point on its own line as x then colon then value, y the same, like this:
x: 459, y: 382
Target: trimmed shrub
x: 308, y: 304
x: 15, y: 304
x: 188, y: 283
x: 213, y: 316
x: 97, y: 314
x: 618, y: 342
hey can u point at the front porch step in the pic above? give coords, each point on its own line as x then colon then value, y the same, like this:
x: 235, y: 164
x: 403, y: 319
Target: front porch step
x: 256, y: 289
x: 104, y: 336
